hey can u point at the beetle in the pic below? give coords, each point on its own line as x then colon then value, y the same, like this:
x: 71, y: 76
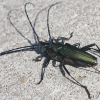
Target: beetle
x: 62, y: 52
x: 66, y: 54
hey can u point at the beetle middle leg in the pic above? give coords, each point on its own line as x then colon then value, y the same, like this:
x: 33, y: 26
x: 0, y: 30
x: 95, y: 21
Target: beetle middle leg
x: 45, y: 64
x: 54, y: 63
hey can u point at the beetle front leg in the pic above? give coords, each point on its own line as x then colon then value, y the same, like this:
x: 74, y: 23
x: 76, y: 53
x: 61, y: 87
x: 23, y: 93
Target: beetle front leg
x: 63, y: 39
x: 45, y: 64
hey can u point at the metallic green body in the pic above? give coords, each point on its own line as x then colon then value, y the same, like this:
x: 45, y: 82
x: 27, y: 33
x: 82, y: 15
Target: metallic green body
x: 70, y: 52
x: 73, y: 52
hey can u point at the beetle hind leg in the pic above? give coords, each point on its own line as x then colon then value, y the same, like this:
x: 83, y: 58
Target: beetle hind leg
x: 77, y: 45
x: 87, y: 91
x: 64, y: 69
x: 88, y: 47
x: 92, y: 50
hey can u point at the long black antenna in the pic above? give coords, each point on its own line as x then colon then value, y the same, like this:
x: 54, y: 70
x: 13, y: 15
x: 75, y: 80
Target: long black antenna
x: 50, y: 39
x: 37, y: 37
x: 20, y: 49
x: 16, y: 28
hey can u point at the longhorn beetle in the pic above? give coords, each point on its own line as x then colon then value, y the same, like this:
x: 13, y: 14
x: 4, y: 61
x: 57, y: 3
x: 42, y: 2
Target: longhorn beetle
x: 62, y: 52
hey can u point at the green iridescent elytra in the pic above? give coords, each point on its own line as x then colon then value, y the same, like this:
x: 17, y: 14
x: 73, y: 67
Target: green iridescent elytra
x: 73, y: 52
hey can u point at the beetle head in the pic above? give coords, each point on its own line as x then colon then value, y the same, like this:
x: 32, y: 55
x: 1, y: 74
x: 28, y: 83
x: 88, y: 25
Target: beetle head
x: 43, y: 46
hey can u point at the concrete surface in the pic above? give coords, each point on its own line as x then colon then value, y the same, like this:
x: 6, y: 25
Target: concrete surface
x: 19, y: 74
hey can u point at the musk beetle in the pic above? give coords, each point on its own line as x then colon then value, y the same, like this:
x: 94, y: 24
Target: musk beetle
x: 58, y: 50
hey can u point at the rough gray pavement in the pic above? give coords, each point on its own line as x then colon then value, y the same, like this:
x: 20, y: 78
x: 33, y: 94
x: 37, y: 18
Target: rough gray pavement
x: 19, y: 74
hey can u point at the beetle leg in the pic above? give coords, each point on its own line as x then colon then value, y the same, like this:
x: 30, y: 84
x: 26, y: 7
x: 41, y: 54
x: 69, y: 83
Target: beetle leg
x: 63, y: 39
x: 76, y: 45
x: 62, y: 70
x: 54, y: 63
x: 87, y: 91
x: 38, y: 58
x: 88, y: 47
x: 45, y: 64
x: 92, y: 50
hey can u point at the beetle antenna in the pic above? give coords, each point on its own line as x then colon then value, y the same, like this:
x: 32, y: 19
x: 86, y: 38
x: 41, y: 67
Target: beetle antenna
x: 15, y: 26
x: 37, y: 37
x: 50, y: 39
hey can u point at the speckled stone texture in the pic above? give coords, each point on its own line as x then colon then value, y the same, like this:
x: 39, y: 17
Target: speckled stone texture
x: 19, y: 74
